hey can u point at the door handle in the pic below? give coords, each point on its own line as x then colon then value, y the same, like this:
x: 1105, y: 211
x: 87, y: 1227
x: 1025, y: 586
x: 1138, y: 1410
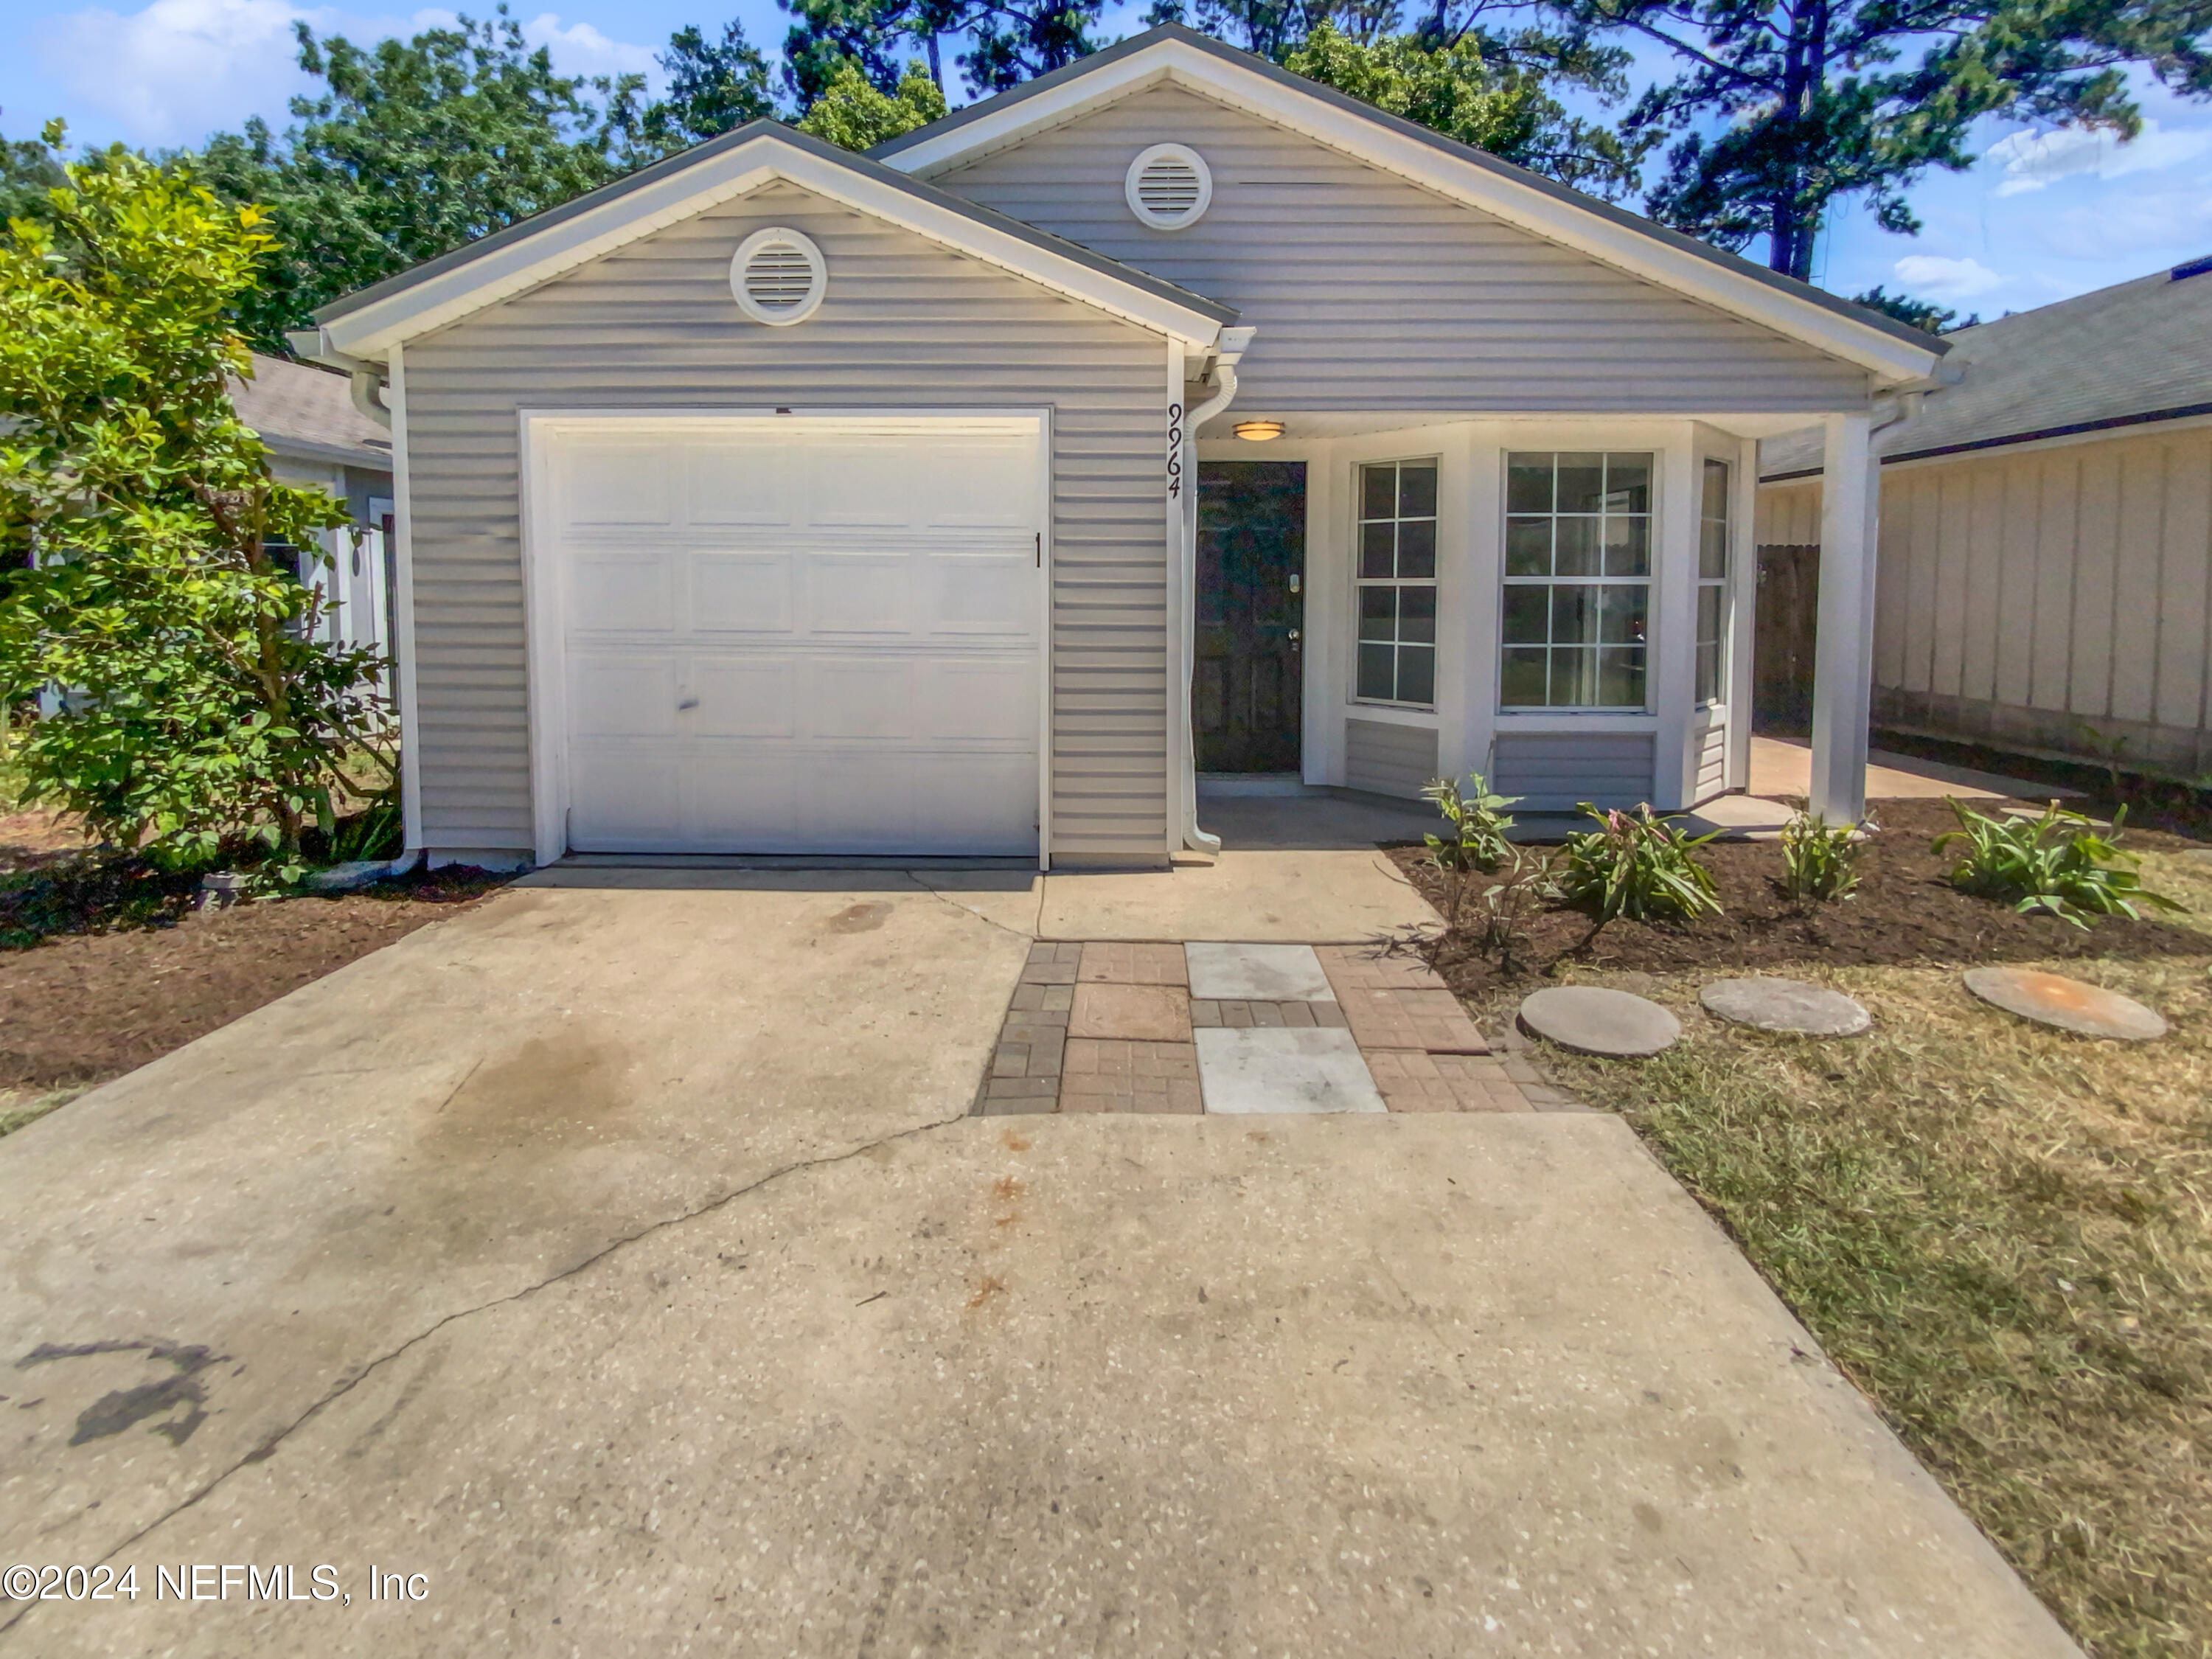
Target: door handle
x: 1295, y: 637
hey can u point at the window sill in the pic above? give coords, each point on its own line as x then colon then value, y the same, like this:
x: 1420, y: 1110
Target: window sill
x: 1392, y: 713
x: 1580, y: 719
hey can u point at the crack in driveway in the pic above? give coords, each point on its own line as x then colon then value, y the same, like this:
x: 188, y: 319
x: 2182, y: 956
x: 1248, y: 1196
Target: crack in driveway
x: 347, y: 1385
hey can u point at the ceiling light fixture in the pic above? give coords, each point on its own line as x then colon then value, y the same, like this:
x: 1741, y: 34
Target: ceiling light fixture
x: 1258, y: 432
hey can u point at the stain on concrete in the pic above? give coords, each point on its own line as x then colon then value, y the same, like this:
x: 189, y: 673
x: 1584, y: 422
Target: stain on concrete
x: 989, y: 1290
x: 548, y: 1093
x: 181, y: 1396
x: 862, y: 918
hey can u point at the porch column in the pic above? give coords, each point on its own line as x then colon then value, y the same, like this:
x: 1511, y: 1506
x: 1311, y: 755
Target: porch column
x: 1843, y: 650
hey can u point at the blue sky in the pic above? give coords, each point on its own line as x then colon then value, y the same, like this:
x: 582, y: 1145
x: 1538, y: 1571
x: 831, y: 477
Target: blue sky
x: 2039, y: 217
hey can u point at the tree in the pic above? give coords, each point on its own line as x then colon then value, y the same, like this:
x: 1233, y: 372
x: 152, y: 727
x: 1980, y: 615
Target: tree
x: 1009, y: 41
x: 1829, y: 99
x: 1458, y: 89
x: 853, y: 115
x: 415, y: 147
x: 200, y: 712
x: 713, y: 88
x: 29, y: 172
x: 1920, y: 314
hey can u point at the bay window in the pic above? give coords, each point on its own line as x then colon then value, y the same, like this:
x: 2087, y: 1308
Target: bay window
x: 1577, y: 600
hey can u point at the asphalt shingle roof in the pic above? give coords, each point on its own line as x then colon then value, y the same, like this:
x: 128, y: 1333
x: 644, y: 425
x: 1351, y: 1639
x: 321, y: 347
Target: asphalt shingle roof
x: 2136, y: 350
x: 300, y: 410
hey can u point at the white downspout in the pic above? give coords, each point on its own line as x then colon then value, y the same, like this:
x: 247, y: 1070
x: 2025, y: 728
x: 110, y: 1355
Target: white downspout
x: 1235, y: 342
x: 367, y: 386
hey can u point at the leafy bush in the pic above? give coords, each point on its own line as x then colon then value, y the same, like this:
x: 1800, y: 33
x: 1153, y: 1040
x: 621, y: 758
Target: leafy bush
x: 1501, y: 908
x: 1640, y: 866
x: 1819, y: 861
x: 1478, y: 825
x: 2057, y: 864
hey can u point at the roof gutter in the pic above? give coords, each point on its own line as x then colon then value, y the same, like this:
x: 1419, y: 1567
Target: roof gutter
x: 312, y: 345
x: 1234, y: 342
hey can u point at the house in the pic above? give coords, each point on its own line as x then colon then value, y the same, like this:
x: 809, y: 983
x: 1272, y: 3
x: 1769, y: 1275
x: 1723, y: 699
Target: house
x: 779, y: 500
x: 317, y: 435
x: 2046, y: 534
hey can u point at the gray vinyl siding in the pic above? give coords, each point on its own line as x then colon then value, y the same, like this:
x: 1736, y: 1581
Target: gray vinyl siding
x: 1712, y: 763
x: 1387, y: 759
x: 1372, y: 292
x: 906, y: 323
x: 1555, y: 771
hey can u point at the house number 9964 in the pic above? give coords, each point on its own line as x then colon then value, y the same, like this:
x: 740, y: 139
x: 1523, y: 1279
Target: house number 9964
x: 1175, y: 451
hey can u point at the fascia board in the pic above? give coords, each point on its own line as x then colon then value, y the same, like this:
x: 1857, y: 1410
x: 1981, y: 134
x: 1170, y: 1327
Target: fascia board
x: 503, y: 272
x: 1622, y: 246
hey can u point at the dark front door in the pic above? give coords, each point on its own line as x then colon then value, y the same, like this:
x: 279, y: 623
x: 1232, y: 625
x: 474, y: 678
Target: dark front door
x: 1251, y: 607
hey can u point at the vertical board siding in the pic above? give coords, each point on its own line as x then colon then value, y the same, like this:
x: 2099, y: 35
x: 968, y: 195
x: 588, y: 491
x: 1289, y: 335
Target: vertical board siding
x: 905, y: 324
x: 1385, y: 758
x: 1372, y: 292
x: 1556, y: 771
x: 2057, y: 601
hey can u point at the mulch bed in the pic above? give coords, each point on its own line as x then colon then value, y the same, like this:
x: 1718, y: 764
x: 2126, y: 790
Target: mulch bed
x: 1903, y: 912
x: 104, y: 965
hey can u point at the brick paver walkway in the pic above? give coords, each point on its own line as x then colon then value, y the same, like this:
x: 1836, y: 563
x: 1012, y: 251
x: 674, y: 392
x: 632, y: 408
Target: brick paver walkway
x: 1108, y: 1027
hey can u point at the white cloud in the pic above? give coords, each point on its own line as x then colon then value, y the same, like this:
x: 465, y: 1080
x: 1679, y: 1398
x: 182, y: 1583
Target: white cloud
x: 2034, y: 160
x: 181, y: 68
x: 1945, y: 279
x: 2174, y: 222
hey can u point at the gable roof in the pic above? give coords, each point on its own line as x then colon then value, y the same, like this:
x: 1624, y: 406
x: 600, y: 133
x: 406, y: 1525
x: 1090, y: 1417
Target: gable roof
x: 299, y: 410
x: 2137, y: 352
x: 1892, y: 351
x: 365, y: 325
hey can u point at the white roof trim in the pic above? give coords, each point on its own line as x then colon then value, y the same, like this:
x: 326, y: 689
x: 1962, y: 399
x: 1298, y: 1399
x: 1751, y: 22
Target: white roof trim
x: 1621, y: 246
x: 501, y: 273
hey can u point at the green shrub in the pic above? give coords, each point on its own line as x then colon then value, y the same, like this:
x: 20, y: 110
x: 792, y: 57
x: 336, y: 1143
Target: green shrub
x: 2057, y: 863
x: 1478, y: 823
x: 1640, y: 866
x: 1819, y: 861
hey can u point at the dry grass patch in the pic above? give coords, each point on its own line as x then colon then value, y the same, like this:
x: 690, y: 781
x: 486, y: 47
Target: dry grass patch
x: 2002, y: 1233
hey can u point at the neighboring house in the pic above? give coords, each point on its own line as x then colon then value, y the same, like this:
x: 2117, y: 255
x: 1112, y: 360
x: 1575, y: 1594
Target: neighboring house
x: 779, y: 500
x: 307, y: 419
x: 2046, y: 534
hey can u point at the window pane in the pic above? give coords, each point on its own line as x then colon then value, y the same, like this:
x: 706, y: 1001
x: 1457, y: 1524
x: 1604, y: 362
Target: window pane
x: 1416, y: 673
x: 1709, y: 673
x: 1620, y: 677
x: 1527, y: 609
x: 1574, y: 615
x: 1375, y: 675
x: 1574, y: 676
x: 1417, y: 615
x: 1712, y: 549
x: 1715, y: 504
x: 1528, y: 484
x: 1378, y: 614
x: 1628, y: 483
x: 1709, y: 616
x: 1417, y: 549
x: 1527, y: 547
x: 1377, y: 544
x: 1577, y: 546
x: 1417, y: 492
x: 1581, y: 483
x: 1522, y: 684
x: 1622, y: 613
x: 1627, y: 546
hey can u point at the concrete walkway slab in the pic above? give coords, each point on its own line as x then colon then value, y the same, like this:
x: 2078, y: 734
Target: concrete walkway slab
x: 1264, y: 973
x: 1258, y: 1070
x: 1099, y: 1386
x: 1267, y: 897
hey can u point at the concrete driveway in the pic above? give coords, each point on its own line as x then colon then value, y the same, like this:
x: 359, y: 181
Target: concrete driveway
x: 615, y: 1270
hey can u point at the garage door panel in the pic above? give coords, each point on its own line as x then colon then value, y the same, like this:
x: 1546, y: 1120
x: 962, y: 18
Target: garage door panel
x: 979, y: 702
x: 860, y: 594
x: 613, y: 482
x: 756, y: 486
x: 622, y: 592
x: 792, y: 642
x: 741, y: 592
x: 622, y: 696
x: 860, y: 697
x: 744, y: 698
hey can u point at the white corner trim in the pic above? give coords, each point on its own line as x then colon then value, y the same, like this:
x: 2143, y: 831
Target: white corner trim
x: 402, y: 554
x: 1468, y: 182
x: 503, y: 272
x: 779, y: 239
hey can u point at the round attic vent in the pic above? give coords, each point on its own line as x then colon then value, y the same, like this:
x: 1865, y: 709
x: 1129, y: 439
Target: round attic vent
x: 778, y: 277
x: 1169, y: 187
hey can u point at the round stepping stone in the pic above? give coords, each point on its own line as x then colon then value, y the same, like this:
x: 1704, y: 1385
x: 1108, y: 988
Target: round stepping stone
x: 1592, y: 1020
x: 2055, y: 1000
x: 1787, y: 1005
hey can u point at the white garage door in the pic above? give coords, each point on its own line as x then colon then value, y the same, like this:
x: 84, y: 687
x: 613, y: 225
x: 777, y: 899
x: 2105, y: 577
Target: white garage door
x: 786, y: 635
